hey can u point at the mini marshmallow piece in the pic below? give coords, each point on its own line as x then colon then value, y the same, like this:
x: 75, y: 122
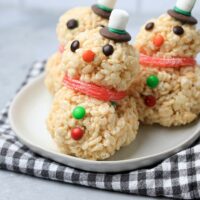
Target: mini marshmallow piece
x: 118, y: 19
x: 185, y: 5
x: 107, y: 3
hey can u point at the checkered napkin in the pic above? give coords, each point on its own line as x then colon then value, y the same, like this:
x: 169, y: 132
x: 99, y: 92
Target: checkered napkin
x: 176, y: 177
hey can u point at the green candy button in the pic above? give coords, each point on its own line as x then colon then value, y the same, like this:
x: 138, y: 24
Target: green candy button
x: 79, y: 112
x: 113, y: 103
x: 152, y: 81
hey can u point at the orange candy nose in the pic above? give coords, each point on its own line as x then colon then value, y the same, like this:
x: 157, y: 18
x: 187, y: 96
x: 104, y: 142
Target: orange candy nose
x: 88, y: 56
x: 158, y: 40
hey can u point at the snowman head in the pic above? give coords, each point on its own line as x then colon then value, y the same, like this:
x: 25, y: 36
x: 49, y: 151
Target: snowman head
x: 93, y: 58
x: 80, y: 19
x: 167, y: 37
x: 171, y: 35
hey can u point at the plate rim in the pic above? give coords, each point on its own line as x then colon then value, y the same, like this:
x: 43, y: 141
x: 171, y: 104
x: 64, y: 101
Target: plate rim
x: 37, y: 148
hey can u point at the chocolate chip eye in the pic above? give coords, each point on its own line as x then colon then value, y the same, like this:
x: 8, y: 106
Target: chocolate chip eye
x: 149, y: 26
x: 75, y: 45
x: 101, y: 26
x: 108, y: 50
x: 178, y: 30
x: 72, y: 24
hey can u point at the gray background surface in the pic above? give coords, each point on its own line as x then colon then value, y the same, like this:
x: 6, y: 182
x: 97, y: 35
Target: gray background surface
x: 27, y: 34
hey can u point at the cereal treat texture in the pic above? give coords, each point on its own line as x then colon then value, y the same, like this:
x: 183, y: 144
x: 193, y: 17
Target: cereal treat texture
x: 113, y: 71
x: 186, y: 44
x: 168, y: 96
x: 54, y: 73
x: 99, y: 128
x: 76, y: 21
x: 107, y: 127
x: 71, y: 24
x: 115, y: 65
x: 177, y: 96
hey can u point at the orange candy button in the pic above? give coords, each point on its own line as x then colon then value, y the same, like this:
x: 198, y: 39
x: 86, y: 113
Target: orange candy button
x: 158, y: 40
x: 88, y: 56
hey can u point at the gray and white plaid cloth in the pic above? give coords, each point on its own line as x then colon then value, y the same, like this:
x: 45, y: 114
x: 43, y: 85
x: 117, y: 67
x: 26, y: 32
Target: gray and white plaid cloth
x: 176, y: 177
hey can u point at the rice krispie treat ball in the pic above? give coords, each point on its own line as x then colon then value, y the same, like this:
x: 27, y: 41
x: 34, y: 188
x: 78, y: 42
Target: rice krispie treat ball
x: 54, y: 74
x: 167, y: 90
x: 92, y: 117
x: 72, y: 23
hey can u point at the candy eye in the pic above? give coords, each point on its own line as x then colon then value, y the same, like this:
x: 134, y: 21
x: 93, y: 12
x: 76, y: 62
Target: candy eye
x: 149, y: 26
x: 101, y: 25
x: 75, y: 45
x: 178, y: 30
x: 72, y: 24
x: 108, y: 50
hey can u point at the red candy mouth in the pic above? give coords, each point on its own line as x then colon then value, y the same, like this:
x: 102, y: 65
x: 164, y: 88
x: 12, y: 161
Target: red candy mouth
x: 166, y: 62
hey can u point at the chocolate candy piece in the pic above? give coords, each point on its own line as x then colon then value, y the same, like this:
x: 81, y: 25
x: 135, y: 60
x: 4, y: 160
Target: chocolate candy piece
x: 178, y: 30
x: 101, y: 25
x: 75, y: 45
x: 79, y: 112
x: 77, y: 133
x: 150, y: 101
x: 113, y: 103
x: 100, y: 12
x: 149, y: 26
x: 88, y: 56
x: 152, y: 81
x: 108, y: 50
x: 72, y: 24
x: 182, y: 18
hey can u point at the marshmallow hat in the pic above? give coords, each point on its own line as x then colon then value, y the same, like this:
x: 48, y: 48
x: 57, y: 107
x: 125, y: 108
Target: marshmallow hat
x: 183, y: 11
x: 116, y: 29
x: 104, y: 8
x: 185, y: 6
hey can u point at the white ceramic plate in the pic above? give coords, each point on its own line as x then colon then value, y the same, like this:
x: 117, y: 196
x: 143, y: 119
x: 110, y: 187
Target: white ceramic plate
x: 29, y: 111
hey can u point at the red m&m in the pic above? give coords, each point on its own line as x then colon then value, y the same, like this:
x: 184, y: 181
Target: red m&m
x: 77, y: 133
x: 158, y: 40
x: 88, y: 56
x: 150, y: 101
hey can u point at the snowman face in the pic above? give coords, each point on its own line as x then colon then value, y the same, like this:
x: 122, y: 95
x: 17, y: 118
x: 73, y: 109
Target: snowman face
x: 94, y: 59
x: 167, y: 37
x: 76, y: 21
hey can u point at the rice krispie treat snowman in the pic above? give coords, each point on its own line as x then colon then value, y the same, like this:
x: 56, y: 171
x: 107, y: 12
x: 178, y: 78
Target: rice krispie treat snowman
x: 71, y: 24
x: 167, y: 90
x: 92, y: 117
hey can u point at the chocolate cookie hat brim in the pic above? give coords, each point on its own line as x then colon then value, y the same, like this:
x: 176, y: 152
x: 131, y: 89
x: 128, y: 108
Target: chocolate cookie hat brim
x: 182, y: 18
x: 125, y: 37
x: 101, y: 12
x: 116, y: 29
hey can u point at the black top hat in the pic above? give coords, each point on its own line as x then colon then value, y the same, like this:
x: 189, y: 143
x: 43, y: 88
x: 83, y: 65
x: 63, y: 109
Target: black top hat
x: 182, y: 11
x: 104, y: 8
x: 116, y: 29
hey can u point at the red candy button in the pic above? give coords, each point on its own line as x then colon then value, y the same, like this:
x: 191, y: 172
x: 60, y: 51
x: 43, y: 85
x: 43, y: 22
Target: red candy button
x: 158, y: 40
x: 150, y: 101
x: 77, y: 133
x: 88, y: 56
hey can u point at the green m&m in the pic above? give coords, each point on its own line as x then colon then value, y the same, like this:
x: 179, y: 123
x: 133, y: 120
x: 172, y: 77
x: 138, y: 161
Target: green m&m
x: 79, y: 112
x: 152, y: 81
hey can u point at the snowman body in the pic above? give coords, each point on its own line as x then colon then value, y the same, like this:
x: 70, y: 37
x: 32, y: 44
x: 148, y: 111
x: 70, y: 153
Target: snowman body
x: 107, y: 125
x: 168, y: 87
